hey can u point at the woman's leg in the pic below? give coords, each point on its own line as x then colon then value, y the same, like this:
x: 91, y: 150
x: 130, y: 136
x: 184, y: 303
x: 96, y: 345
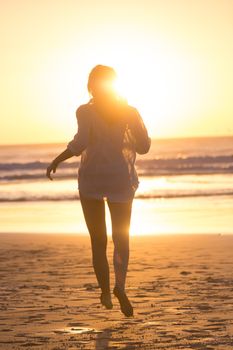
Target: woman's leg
x: 94, y: 213
x: 120, y: 217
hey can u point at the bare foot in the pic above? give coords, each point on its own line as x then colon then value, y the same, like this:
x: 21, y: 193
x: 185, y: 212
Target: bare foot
x: 125, y: 305
x: 106, y: 301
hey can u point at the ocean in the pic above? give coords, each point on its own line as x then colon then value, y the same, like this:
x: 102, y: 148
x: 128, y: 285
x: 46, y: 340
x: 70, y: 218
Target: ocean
x: 186, y: 186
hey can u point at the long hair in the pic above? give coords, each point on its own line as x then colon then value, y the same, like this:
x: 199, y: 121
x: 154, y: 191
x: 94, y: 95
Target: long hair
x: 102, y: 92
x: 100, y: 76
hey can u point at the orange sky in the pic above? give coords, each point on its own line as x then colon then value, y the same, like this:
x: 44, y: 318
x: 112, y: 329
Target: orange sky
x: 174, y: 60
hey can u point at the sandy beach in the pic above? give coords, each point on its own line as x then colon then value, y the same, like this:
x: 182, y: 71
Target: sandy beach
x: 181, y: 287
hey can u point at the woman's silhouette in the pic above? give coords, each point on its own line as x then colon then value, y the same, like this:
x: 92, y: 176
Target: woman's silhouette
x: 110, y: 133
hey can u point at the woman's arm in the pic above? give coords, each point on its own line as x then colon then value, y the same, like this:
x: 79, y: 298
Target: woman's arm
x: 76, y: 146
x: 139, y: 132
x: 60, y: 158
x: 81, y: 138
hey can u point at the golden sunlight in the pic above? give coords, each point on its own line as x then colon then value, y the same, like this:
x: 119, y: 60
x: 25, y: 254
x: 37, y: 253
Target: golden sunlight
x: 178, y: 74
x: 165, y: 87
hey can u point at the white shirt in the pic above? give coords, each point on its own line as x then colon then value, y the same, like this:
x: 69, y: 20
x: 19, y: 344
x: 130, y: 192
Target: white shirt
x: 108, y: 152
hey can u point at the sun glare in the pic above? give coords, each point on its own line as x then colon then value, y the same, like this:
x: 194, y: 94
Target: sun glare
x: 164, y: 84
x: 164, y: 89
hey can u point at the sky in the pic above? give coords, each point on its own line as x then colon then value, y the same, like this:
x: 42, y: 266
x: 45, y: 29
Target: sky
x: 174, y: 60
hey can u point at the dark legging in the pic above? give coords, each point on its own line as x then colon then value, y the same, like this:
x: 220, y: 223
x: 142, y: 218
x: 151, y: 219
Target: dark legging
x: 94, y: 213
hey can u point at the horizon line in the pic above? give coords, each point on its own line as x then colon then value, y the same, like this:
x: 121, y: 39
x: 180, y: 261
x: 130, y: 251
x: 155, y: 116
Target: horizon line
x: 153, y: 139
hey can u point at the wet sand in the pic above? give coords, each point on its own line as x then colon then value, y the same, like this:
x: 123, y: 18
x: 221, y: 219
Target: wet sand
x: 181, y: 287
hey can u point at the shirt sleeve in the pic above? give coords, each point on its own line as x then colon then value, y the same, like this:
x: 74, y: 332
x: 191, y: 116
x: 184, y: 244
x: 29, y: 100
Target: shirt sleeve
x: 139, y: 132
x: 81, y: 138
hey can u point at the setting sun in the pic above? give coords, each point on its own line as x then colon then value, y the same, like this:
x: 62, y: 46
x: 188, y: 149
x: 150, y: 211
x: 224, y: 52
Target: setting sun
x: 165, y: 86
x: 172, y: 64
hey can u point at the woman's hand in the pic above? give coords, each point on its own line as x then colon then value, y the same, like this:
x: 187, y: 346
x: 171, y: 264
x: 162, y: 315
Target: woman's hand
x: 52, y: 167
x: 60, y: 158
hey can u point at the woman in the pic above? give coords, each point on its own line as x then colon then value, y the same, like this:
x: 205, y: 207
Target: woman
x: 110, y: 133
